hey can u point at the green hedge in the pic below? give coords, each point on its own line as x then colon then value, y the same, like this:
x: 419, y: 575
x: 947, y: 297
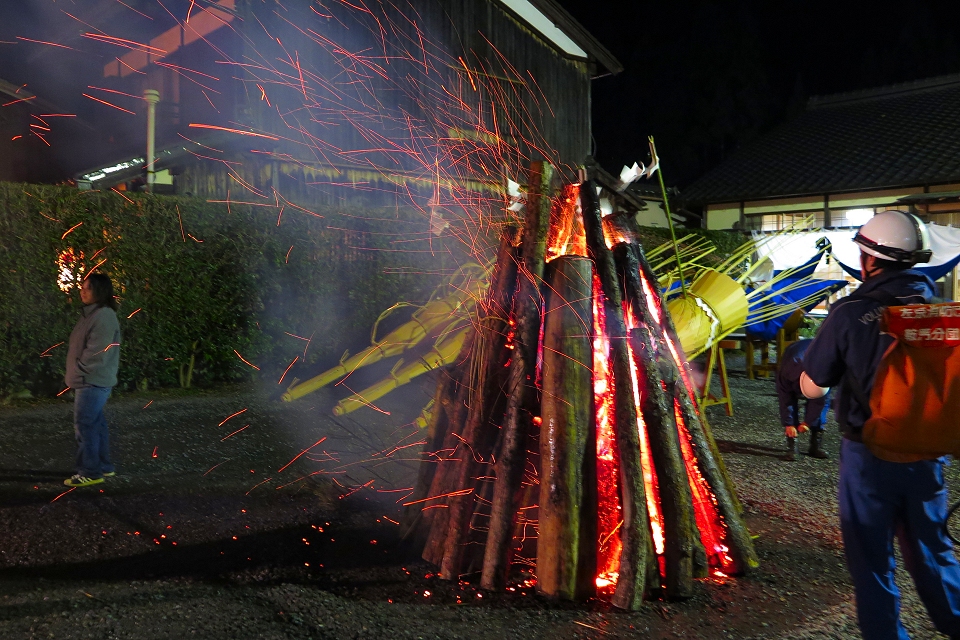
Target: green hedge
x: 233, y: 287
x: 726, y: 242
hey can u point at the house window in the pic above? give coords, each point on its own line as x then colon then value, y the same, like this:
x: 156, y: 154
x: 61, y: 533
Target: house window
x: 780, y: 221
x: 855, y: 217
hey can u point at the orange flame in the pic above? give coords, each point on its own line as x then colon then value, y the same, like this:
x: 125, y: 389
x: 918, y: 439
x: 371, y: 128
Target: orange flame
x: 609, y: 518
x: 566, y: 235
x: 650, y: 484
x: 613, y: 234
x: 712, y: 528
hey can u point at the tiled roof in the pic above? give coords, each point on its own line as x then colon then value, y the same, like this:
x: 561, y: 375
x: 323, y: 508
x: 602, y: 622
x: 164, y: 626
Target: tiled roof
x: 900, y: 135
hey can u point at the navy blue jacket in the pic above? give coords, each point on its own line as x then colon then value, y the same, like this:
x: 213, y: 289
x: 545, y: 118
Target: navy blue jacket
x: 791, y: 363
x: 850, y: 341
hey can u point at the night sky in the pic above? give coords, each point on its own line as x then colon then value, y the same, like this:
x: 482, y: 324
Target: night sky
x: 706, y: 77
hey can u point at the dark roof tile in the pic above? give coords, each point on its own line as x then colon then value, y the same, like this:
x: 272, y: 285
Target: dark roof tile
x: 896, y: 136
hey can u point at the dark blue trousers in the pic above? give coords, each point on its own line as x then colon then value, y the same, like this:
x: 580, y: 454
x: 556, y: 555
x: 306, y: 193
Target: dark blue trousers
x: 815, y: 411
x: 90, y: 427
x: 880, y: 500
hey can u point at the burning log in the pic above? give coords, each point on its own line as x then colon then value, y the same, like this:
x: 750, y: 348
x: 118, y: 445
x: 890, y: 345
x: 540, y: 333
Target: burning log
x: 637, y: 561
x: 520, y: 385
x: 684, y: 555
x: 666, y: 321
x: 704, y: 447
x: 448, y: 456
x: 566, y: 542
x: 741, y: 550
x: 619, y: 482
x: 487, y: 401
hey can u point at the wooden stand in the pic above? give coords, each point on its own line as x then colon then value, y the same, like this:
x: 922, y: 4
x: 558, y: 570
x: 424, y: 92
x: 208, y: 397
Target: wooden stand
x: 716, y: 360
x: 786, y: 335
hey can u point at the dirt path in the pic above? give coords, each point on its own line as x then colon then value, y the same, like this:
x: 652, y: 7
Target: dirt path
x: 211, y: 535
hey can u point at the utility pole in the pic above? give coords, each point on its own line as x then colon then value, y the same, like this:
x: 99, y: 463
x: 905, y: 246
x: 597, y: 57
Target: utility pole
x: 152, y: 97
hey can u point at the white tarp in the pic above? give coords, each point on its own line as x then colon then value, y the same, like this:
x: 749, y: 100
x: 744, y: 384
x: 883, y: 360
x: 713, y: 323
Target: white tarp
x: 793, y: 249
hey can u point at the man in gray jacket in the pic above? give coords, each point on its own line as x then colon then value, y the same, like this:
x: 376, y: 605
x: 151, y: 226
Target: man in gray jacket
x: 92, y: 361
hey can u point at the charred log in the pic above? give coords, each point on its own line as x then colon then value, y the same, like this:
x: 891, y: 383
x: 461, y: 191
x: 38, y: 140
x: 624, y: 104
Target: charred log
x: 521, y: 390
x: 638, y: 567
x: 565, y: 568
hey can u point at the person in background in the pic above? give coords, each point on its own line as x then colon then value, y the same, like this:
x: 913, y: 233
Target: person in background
x: 789, y: 395
x: 879, y: 499
x: 93, y: 358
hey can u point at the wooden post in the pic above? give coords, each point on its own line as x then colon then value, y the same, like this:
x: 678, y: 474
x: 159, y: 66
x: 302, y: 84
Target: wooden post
x: 656, y: 401
x: 446, y: 474
x: 487, y: 402
x: 436, y: 432
x: 638, y: 565
x: 520, y: 385
x: 567, y: 420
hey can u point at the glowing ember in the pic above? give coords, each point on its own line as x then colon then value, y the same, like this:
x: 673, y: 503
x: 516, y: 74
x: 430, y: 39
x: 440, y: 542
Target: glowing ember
x: 566, y: 235
x: 609, y: 517
x: 652, y: 489
x: 709, y: 522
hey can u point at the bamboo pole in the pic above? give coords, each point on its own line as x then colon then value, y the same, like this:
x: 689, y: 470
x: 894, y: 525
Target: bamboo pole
x: 655, y: 161
x: 637, y: 562
x: 520, y: 385
x: 567, y: 416
x: 709, y: 460
x: 486, y: 405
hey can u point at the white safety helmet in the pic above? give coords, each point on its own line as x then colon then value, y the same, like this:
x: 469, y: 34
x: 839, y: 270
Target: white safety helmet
x: 895, y: 235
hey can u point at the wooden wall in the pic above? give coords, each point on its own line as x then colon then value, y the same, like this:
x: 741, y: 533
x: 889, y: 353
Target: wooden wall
x: 452, y: 92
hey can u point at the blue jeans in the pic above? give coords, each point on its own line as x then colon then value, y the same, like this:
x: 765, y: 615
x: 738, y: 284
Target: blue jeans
x: 90, y: 427
x: 815, y: 411
x: 880, y: 500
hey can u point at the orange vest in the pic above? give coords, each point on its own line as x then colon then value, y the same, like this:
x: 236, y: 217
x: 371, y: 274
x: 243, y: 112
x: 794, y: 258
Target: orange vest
x: 915, y: 400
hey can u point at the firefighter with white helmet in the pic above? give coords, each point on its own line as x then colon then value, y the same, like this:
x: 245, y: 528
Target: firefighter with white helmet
x: 879, y: 499
x: 895, y: 236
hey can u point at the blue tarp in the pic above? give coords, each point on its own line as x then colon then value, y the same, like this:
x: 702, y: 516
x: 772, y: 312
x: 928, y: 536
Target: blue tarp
x: 768, y: 330
x: 807, y: 268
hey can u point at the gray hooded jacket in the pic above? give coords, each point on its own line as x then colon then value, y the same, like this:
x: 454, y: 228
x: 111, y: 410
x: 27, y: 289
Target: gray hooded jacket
x: 94, y: 353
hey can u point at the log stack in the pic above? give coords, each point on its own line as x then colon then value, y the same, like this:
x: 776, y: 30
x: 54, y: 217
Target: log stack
x: 508, y: 486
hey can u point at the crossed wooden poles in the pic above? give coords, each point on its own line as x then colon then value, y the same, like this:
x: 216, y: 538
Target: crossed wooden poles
x: 502, y: 444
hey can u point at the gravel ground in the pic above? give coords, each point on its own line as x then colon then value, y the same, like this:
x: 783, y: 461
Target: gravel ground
x: 217, y: 529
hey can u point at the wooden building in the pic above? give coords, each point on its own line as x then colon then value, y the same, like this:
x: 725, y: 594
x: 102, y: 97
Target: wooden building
x: 31, y: 132
x: 343, y: 104
x: 846, y: 157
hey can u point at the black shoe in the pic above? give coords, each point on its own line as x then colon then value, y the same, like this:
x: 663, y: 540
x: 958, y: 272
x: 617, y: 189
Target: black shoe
x: 816, y: 439
x: 791, y: 450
